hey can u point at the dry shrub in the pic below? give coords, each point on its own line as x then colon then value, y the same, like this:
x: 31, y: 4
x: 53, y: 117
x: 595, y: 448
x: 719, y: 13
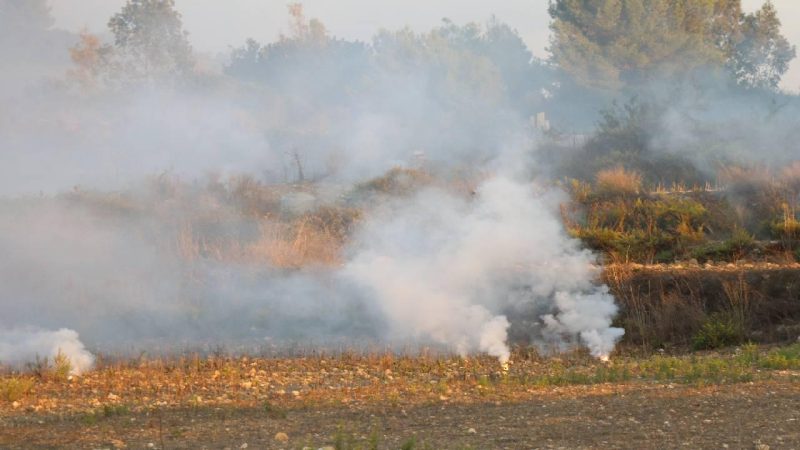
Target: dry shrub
x: 14, y: 388
x: 253, y: 197
x: 397, y: 181
x: 300, y: 243
x: 651, y: 315
x: 618, y: 181
x: 755, y: 194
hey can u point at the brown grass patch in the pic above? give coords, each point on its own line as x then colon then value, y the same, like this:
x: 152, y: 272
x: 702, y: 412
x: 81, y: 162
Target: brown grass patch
x: 618, y: 181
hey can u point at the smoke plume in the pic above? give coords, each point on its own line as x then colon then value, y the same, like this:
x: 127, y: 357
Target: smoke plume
x: 146, y: 215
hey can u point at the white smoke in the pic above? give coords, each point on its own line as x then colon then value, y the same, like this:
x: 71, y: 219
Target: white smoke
x: 434, y: 268
x: 23, y: 345
x: 443, y: 268
x: 589, y: 316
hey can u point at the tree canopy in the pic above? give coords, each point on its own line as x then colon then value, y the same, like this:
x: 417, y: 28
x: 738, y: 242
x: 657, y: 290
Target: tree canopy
x: 609, y: 44
x: 150, y: 40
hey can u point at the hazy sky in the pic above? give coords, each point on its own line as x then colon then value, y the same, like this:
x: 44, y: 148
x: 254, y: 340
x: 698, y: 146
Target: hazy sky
x: 215, y: 24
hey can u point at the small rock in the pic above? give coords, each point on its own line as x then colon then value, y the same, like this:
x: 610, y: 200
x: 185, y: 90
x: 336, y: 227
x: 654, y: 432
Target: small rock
x: 471, y: 431
x: 282, y: 437
x: 151, y: 445
x: 15, y: 404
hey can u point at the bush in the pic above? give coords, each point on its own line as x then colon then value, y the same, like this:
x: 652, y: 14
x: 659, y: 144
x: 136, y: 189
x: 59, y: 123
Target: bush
x: 739, y: 244
x: 13, y: 389
x: 62, y: 366
x: 734, y: 248
x: 719, y: 330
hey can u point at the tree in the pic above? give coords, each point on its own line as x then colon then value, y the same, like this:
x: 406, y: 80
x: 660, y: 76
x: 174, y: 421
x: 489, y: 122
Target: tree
x: 149, y: 40
x: 762, y: 55
x: 91, y: 59
x: 308, y: 57
x: 611, y: 44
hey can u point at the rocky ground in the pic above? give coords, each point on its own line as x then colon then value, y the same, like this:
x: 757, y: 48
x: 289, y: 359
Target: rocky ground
x: 746, y: 397
x: 758, y: 415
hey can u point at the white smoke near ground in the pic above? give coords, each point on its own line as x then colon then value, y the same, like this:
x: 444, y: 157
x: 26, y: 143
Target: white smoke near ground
x: 444, y: 268
x: 19, y: 346
x: 88, y: 246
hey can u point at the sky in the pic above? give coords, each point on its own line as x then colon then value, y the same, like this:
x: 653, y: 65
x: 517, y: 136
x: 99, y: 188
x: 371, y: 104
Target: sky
x: 214, y: 25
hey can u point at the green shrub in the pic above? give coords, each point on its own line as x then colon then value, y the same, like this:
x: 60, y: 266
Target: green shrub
x: 62, y: 366
x: 782, y: 358
x: 739, y: 243
x: 719, y: 330
x: 737, y: 246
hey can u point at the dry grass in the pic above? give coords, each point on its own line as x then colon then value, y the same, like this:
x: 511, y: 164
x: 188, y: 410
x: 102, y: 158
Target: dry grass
x: 675, y: 305
x: 397, y: 181
x: 618, y: 181
x: 302, y: 243
x: 364, y: 379
x: 15, y: 388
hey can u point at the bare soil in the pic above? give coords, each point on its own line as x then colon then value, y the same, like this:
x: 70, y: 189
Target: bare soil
x: 634, y: 416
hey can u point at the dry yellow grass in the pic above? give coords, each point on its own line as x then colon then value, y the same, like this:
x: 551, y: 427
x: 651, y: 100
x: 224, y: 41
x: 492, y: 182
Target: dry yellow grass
x: 617, y: 180
x: 369, y: 379
x: 296, y: 244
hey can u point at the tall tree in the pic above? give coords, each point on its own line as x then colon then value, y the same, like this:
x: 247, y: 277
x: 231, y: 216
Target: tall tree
x: 614, y: 43
x: 762, y: 55
x: 149, y: 39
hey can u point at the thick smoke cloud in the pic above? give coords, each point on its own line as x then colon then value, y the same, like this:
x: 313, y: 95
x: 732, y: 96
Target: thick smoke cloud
x: 91, y: 249
x: 446, y: 269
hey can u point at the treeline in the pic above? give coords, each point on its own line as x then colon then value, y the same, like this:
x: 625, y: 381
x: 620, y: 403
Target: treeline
x: 669, y: 88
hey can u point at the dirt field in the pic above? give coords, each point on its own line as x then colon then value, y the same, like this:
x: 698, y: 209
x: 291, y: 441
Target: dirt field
x: 743, y: 397
x: 605, y: 416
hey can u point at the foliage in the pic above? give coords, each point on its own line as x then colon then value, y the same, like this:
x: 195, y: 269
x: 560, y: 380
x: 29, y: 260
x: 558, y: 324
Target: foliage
x: 614, y: 43
x: 762, y: 55
x: 307, y: 57
x: 150, y: 45
x: 62, y: 366
x: 719, y: 330
x: 624, y: 136
x: 610, y: 43
x: 733, y: 248
x: 150, y: 40
x: 639, y: 227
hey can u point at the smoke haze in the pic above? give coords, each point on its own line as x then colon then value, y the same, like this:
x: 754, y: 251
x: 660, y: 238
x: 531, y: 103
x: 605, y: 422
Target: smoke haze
x: 149, y: 209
